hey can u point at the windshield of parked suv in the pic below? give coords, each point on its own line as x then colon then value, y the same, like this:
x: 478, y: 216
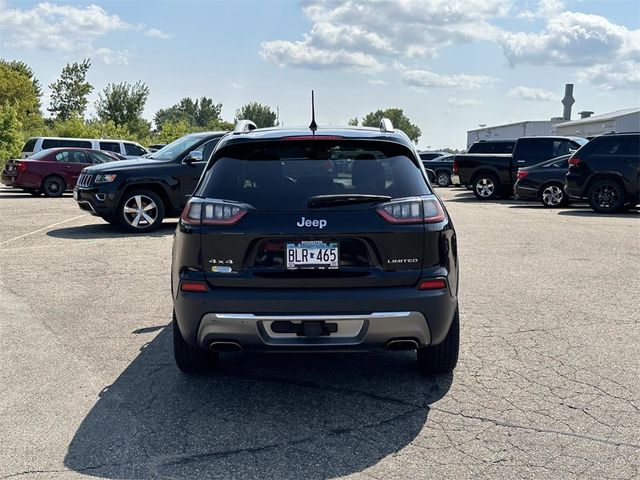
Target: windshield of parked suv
x: 171, y: 151
x: 291, y: 175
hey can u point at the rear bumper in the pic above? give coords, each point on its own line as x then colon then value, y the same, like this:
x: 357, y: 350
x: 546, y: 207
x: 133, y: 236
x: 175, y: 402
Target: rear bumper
x: 8, y: 180
x: 365, y: 318
x: 575, y: 184
x: 524, y: 192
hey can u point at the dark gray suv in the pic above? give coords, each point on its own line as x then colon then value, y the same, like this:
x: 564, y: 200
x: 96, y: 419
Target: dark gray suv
x: 302, y: 240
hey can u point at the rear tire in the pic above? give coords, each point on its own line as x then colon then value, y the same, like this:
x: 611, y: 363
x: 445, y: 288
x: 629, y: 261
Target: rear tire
x: 53, y: 186
x: 190, y: 359
x: 486, y: 186
x: 442, y: 358
x: 443, y: 179
x: 606, y: 196
x: 552, y: 195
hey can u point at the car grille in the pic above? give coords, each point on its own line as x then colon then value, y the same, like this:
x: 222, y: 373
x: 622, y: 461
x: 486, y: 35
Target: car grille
x: 84, y: 180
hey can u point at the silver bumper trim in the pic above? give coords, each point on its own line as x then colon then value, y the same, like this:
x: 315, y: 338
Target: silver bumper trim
x: 355, y: 331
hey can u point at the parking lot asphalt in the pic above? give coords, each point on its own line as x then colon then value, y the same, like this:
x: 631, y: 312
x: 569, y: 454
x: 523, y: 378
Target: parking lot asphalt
x: 547, y: 386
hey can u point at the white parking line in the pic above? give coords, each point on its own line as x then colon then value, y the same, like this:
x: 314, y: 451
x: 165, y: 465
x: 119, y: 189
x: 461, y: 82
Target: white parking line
x: 42, y: 229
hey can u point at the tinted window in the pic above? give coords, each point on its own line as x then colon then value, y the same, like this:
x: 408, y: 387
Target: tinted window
x: 29, y: 145
x: 430, y: 155
x: 562, y: 147
x: 99, y: 157
x: 535, y: 148
x: 623, y: 145
x: 284, y: 177
x: 133, y: 149
x: 62, y: 142
x: 71, y: 156
x: 110, y: 146
x: 207, y: 148
x: 492, y: 147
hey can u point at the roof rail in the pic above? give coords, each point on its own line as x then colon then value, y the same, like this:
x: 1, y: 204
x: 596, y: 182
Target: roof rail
x: 386, y: 125
x: 244, y: 126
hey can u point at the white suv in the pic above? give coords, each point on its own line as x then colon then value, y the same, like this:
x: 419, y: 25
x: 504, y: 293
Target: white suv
x: 122, y: 147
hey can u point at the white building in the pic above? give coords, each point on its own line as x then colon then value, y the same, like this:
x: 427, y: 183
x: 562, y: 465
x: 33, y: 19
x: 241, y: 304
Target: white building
x: 627, y: 120
x: 511, y: 131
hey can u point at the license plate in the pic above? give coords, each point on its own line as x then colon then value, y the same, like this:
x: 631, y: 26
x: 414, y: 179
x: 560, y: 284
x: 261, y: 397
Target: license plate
x: 75, y: 194
x: 10, y: 168
x: 312, y: 255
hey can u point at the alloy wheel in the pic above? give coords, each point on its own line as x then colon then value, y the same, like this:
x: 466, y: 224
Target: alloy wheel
x: 606, y: 196
x: 552, y: 196
x: 443, y: 180
x: 140, y: 211
x: 485, y: 187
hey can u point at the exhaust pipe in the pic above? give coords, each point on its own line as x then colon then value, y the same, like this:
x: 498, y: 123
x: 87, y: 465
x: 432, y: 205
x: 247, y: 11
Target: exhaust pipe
x: 225, y: 347
x: 402, y: 345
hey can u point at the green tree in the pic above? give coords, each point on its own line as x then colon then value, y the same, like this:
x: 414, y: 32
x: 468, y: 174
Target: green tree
x: 69, y: 93
x: 353, y: 122
x: 197, y: 113
x: 16, y: 90
x: 397, y: 117
x: 259, y: 114
x: 11, y: 138
x: 172, y: 131
x: 122, y: 103
x: 25, y: 70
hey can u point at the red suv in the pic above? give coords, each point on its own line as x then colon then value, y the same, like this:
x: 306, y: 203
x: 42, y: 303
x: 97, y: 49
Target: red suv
x: 52, y: 171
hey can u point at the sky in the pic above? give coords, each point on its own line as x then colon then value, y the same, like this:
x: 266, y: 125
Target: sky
x: 451, y: 65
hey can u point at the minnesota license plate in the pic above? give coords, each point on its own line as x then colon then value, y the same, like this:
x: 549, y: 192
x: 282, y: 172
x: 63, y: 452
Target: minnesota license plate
x: 75, y: 194
x: 312, y: 255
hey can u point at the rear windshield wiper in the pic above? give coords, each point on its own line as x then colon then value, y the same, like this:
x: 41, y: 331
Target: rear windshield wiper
x: 344, y: 199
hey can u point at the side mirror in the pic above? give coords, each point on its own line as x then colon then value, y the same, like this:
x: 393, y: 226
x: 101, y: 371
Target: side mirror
x: 195, y: 156
x: 431, y: 175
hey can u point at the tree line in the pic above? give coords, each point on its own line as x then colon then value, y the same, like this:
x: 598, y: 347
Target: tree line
x: 119, y: 110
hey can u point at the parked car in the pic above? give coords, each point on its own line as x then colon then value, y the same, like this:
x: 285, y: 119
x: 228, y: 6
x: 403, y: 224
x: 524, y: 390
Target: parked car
x: 492, y: 175
x: 138, y: 194
x: 431, y: 155
x: 606, y: 172
x: 544, y: 182
x: 273, y: 253
x: 493, y: 146
x: 122, y: 147
x: 442, y: 167
x: 52, y: 171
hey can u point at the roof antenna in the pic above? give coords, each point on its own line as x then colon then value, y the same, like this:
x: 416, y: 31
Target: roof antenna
x: 313, y: 126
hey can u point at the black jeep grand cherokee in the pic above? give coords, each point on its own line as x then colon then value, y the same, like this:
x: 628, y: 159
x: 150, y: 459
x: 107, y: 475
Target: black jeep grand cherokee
x: 138, y: 194
x: 283, y: 247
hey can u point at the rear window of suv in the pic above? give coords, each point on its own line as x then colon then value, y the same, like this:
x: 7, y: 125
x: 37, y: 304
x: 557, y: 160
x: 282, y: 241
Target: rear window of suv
x: 616, y: 145
x: 492, y: 147
x: 285, y: 175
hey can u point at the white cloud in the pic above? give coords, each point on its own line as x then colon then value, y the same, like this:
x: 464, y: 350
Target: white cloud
x: 464, y: 102
x: 377, y: 82
x: 625, y: 74
x: 237, y: 86
x: 528, y: 93
x: 63, y: 28
x: 367, y: 34
x: 157, y: 33
x: 300, y: 54
x: 427, y: 79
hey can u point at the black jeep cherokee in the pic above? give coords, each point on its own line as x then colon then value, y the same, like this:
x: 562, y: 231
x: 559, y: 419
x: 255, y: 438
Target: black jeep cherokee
x: 138, y: 194
x: 606, y: 171
x: 279, y: 250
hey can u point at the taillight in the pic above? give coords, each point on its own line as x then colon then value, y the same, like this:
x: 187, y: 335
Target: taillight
x: 212, y: 212
x: 432, y: 284
x: 21, y: 166
x: 193, y: 286
x: 522, y: 174
x: 455, y: 166
x: 574, y: 161
x: 412, y: 210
